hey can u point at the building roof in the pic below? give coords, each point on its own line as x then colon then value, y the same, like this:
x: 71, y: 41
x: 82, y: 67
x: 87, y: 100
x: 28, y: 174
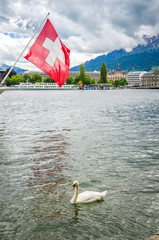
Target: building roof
x: 118, y: 69
x: 151, y: 74
x: 136, y: 73
x: 156, y: 73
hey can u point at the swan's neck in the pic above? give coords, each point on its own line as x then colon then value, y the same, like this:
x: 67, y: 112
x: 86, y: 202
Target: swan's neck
x: 75, y: 195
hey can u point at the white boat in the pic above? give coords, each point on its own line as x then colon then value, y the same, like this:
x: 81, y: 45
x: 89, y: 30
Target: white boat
x: 45, y: 86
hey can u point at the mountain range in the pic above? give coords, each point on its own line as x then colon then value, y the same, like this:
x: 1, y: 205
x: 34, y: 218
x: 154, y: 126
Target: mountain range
x: 143, y: 57
x: 18, y: 70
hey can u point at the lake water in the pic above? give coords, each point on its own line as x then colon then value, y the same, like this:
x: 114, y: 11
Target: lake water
x: 107, y: 140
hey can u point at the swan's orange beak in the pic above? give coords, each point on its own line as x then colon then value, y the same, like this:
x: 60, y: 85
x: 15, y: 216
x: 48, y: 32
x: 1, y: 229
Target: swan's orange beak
x: 73, y: 187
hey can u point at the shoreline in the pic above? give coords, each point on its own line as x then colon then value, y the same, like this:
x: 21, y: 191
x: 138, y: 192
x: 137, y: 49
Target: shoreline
x: 2, y: 89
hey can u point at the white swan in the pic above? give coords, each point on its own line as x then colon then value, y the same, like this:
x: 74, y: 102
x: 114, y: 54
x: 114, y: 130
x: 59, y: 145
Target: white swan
x: 87, y: 196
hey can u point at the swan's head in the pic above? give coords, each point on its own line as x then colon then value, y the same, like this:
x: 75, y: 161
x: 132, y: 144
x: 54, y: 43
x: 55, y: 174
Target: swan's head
x: 75, y: 184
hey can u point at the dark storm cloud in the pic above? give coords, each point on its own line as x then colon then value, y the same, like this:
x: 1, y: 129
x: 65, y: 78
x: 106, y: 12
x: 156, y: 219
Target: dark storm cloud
x: 130, y: 15
x: 89, y: 15
x: 4, y: 19
x: 124, y: 16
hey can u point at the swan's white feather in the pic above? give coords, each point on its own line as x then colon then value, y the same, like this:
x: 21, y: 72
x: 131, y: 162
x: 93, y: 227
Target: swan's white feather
x: 87, y: 196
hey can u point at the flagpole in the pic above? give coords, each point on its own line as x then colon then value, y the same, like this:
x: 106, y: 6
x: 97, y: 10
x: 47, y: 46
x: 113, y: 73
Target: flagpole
x: 24, y: 49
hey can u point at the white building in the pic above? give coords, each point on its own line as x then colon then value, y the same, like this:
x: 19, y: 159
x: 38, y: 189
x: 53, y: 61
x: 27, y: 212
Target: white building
x: 134, y: 78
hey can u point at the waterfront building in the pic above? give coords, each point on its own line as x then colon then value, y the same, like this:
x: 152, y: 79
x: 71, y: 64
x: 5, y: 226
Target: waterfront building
x: 150, y: 80
x: 116, y: 74
x: 134, y: 78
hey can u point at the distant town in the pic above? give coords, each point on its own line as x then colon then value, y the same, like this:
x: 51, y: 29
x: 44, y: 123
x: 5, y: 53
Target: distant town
x: 115, y: 78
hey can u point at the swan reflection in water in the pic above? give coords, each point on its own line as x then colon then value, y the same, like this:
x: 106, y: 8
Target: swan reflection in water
x: 48, y: 183
x: 76, y: 210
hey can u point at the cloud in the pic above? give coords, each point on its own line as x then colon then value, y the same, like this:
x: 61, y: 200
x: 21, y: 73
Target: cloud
x: 88, y: 27
x: 11, y: 48
x: 131, y: 15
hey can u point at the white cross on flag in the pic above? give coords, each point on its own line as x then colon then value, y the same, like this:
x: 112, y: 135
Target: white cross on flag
x: 50, y: 55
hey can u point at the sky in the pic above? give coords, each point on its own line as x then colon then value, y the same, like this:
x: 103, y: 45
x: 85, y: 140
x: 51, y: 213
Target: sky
x: 89, y: 28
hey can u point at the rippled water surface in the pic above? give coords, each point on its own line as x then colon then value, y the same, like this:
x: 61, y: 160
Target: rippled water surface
x: 104, y: 139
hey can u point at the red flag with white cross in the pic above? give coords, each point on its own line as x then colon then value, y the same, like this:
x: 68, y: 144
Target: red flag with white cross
x: 50, y: 55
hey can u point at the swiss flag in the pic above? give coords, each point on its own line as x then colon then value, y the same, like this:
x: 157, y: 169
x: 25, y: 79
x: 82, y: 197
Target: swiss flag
x: 50, y: 55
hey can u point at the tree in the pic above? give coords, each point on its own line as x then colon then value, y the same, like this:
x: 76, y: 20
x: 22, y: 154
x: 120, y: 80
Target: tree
x: 69, y: 80
x: 111, y: 83
x: 14, y: 80
x: 76, y: 79
x: 83, y: 77
x: 36, y: 77
x: 48, y: 80
x: 103, y: 73
x: 117, y: 82
x: 93, y: 81
x: 8, y: 81
x: 87, y: 79
x: 82, y: 71
x: 120, y: 82
x: 26, y: 77
x: 123, y: 82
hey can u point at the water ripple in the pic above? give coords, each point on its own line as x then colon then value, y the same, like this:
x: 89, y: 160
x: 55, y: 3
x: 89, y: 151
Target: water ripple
x: 105, y: 139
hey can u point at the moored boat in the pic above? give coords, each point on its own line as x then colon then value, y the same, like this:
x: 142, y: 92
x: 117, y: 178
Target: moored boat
x: 44, y: 86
